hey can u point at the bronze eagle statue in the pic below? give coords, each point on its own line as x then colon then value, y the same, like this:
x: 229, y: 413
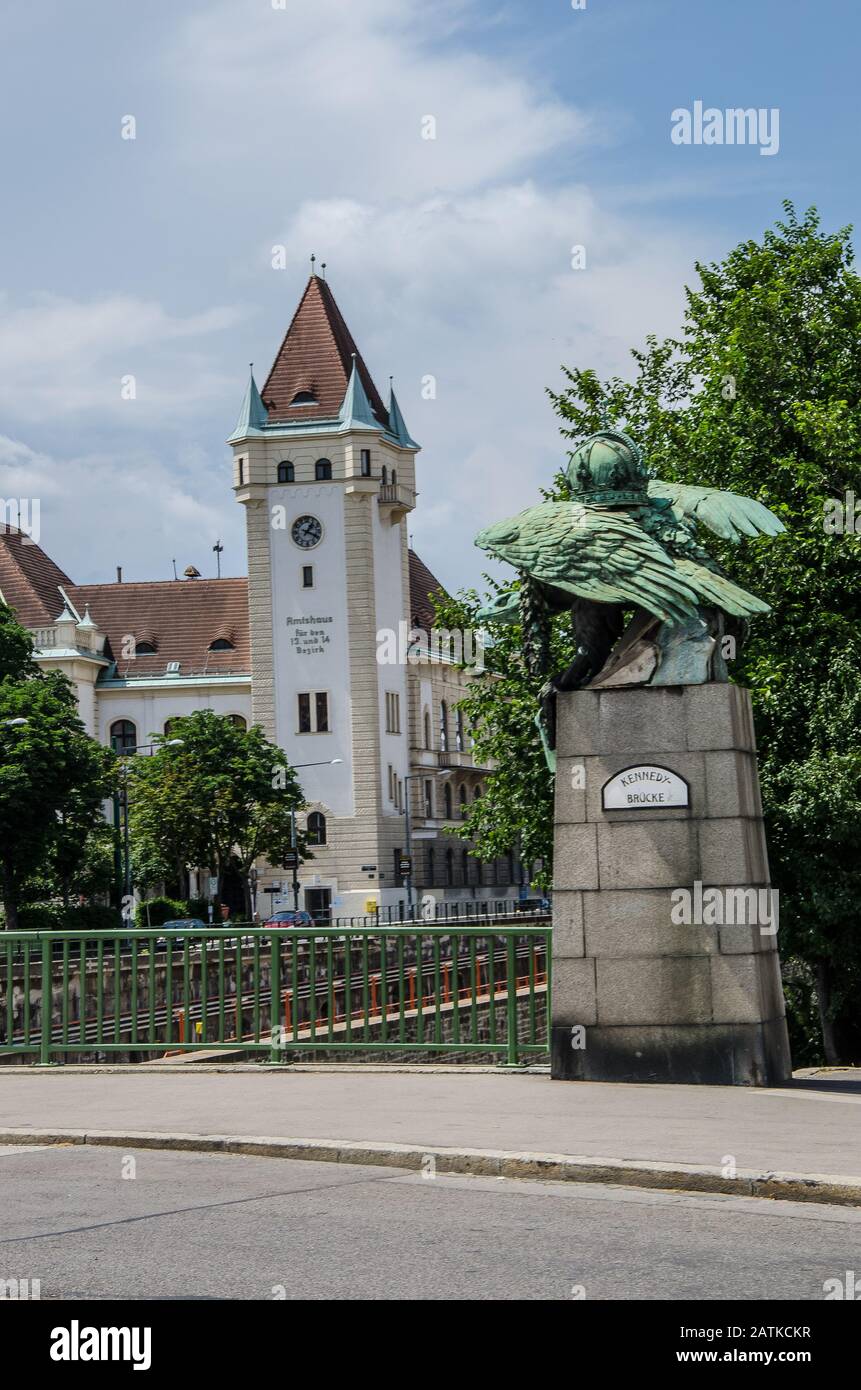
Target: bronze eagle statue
x: 623, y: 542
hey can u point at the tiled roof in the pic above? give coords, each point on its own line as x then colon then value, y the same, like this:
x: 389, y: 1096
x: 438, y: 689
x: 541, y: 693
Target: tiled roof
x: 422, y: 585
x: 29, y: 579
x: 316, y: 356
x: 181, y: 617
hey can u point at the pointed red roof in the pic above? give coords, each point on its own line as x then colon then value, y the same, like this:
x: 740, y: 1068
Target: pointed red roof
x: 316, y: 356
x: 29, y: 579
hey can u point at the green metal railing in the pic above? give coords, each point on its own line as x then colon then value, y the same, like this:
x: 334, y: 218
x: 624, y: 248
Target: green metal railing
x: 463, y: 988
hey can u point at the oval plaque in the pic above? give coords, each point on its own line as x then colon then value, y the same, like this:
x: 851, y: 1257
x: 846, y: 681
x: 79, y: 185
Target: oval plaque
x: 644, y: 787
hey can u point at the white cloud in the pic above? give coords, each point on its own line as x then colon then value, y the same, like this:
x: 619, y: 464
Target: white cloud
x: 61, y: 356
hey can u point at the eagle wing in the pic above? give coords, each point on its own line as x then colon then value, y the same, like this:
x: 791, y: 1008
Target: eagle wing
x: 717, y: 591
x: 600, y: 555
x: 728, y: 514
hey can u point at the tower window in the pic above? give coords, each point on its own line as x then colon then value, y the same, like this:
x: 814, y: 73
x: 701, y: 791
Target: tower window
x: 316, y: 828
x: 307, y: 576
x: 221, y: 644
x: 462, y: 800
x: 459, y: 738
x: 393, y: 712
x: 123, y: 736
x: 447, y: 796
x: 384, y: 475
x: 313, y: 712
x: 286, y: 472
x: 366, y: 463
x: 323, y: 470
x: 304, y: 398
x: 427, y: 724
x: 241, y: 472
x: 145, y: 649
x: 443, y: 726
x: 428, y: 799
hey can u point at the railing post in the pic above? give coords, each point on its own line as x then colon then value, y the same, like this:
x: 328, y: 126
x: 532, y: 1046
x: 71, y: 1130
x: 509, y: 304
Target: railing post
x: 47, y: 1012
x: 275, y: 998
x: 512, y: 1002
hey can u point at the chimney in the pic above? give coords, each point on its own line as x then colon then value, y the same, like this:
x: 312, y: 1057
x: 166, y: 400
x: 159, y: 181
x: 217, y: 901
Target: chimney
x: 119, y: 574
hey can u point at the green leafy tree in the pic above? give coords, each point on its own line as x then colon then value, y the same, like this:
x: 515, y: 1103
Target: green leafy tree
x: 224, y: 797
x: 53, y: 776
x: 761, y: 394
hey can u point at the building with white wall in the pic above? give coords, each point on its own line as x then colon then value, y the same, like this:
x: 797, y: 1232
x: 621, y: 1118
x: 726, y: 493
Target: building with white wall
x: 326, y: 474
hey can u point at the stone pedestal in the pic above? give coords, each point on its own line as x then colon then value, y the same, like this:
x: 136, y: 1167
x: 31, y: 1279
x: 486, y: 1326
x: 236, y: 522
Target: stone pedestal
x: 637, y: 995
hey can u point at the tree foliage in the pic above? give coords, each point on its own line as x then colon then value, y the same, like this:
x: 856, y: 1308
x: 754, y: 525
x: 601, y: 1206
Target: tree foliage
x: 53, y: 779
x: 759, y: 394
x: 224, y: 796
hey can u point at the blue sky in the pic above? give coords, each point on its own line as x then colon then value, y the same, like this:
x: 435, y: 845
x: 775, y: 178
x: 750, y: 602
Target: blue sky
x: 300, y: 127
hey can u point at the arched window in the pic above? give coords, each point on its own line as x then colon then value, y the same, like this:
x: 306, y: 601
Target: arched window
x: 394, y: 477
x: 221, y: 644
x: 145, y: 648
x: 238, y: 720
x: 427, y: 723
x: 447, y: 798
x: 443, y: 726
x: 461, y: 796
x: 464, y: 866
x: 384, y: 475
x: 449, y: 867
x: 323, y: 470
x: 168, y: 725
x: 286, y: 472
x: 476, y: 796
x: 124, y: 737
x: 316, y: 828
x: 459, y: 739
x: 304, y: 398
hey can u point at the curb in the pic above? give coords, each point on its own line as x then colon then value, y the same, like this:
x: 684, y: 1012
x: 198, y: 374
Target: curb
x: 498, y: 1163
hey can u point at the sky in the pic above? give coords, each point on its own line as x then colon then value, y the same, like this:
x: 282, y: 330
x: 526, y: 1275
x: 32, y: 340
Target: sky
x: 301, y: 124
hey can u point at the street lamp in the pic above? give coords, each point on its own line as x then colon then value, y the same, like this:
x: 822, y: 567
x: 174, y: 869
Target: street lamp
x: 122, y: 858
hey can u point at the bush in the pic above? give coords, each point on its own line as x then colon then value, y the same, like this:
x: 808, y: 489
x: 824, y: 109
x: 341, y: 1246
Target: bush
x: 88, y: 919
x: 161, y: 910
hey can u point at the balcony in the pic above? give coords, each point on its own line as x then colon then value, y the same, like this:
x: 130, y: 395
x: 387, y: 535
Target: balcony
x: 396, y: 500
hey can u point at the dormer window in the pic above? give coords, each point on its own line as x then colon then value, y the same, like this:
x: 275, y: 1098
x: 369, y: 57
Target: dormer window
x: 221, y: 644
x: 304, y: 398
x: 323, y: 470
x: 145, y: 649
x: 286, y: 472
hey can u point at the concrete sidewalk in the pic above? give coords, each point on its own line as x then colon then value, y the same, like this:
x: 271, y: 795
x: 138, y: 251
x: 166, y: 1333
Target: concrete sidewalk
x: 523, y: 1123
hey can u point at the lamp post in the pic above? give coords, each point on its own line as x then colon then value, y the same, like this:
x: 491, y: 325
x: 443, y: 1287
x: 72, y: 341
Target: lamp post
x: 294, y: 846
x: 122, y: 852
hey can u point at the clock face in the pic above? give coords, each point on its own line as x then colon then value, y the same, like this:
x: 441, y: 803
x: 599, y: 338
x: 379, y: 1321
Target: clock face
x: 307, y: 532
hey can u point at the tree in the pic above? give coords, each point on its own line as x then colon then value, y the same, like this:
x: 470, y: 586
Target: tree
x: 761, y: 394
x: 223, y: 797
x: 53, y: 776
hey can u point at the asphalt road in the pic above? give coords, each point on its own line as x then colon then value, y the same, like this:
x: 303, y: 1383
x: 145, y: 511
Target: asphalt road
x: 189, y: 1226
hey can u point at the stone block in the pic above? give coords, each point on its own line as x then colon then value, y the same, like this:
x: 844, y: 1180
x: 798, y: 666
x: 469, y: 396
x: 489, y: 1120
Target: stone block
x: 567, y: 924
x: 646, y: 854
x: 740, y: 1054
x: 732, y: 784
x: 574, y: 991
x: 576, y: 857
x: 732, y: 851
x: 664, y: 990
x: 746, y: 989
x: 638, y: 923
x: 570, y: 798
x: 719, y: 716
x: 630, y: 720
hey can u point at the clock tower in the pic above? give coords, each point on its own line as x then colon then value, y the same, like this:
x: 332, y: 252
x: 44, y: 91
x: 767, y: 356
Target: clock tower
x: 326, y: 473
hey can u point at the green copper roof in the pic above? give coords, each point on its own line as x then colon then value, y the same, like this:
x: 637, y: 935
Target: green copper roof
x: 397, y: 425
x: 356, y: 412
x: 252, y: 417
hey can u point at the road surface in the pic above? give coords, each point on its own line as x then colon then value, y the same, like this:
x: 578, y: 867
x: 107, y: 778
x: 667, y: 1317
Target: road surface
x: 104, y: 1223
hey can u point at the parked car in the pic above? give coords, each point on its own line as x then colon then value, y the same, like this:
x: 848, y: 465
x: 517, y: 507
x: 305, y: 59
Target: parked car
x: 289, y: 919
x: 179, y: 924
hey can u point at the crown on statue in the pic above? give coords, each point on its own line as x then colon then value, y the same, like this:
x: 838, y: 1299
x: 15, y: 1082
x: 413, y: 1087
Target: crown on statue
x: 608, y: 469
